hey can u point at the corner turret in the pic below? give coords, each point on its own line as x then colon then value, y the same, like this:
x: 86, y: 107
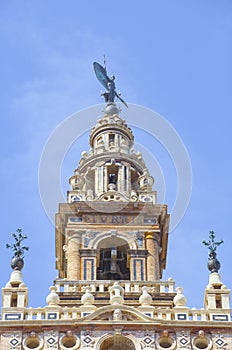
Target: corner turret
x: 217, y: 296
x: 15, y: 293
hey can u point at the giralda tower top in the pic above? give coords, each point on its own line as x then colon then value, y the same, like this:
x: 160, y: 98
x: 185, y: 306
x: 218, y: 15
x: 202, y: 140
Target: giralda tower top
x: 111, y: 228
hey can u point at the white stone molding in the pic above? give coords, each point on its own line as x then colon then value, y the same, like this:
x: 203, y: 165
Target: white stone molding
x: 94, y: 244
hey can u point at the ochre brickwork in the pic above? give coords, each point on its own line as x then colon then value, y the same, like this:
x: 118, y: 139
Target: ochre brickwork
x: 153, y: 256
x: 73, y: 257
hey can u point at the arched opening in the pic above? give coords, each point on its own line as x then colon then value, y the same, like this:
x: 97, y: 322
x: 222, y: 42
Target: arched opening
x: 117, y: 342
x: 112, y: 259
x: 112, y: 171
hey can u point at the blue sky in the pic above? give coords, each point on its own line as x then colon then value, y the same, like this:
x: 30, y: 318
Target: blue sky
x: 173, y: 57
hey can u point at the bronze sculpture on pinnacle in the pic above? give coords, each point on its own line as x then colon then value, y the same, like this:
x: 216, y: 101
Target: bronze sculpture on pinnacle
x: 108, y: 83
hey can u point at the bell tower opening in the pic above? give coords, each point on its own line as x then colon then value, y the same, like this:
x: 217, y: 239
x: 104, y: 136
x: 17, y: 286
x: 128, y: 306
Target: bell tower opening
x: 112, y: 260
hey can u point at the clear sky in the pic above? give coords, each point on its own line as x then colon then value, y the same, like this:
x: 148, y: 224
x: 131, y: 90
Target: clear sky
x: 173, y: 57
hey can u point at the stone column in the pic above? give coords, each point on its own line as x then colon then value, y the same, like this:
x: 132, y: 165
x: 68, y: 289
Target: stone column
x: 129, y: 187
x: 96, y: 180
x: 99, y: 178
x: 105, y: 179
x: 120, y: 179
x: 73, y: 255
x: 123, y: 177
x: 152, y: 246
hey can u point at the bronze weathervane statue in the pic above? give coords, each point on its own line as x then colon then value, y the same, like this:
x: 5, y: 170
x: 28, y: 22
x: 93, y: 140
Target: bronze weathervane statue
x: 108, y: 84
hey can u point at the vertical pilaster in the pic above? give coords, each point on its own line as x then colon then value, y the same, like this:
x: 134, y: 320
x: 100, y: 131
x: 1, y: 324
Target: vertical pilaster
x: 99, y: 178
x: 152, y: 246
x: 128, y: 178
x: 120, y: 179
x: 96, y: 180
x: 137, y: 264
x: 124, y: 178
x: 105, y: 179
x: 88, y: 264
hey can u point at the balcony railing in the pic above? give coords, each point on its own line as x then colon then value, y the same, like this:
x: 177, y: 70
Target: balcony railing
x: 101, y: 286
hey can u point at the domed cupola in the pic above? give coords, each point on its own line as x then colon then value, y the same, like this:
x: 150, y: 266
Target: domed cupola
x: 112, y: 170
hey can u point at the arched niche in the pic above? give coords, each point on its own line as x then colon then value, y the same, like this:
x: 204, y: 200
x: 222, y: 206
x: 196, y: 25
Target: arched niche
x: 117, y: 342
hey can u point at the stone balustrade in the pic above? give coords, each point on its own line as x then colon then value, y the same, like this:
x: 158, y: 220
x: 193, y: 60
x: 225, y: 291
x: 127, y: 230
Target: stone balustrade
x: 103, y: 286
